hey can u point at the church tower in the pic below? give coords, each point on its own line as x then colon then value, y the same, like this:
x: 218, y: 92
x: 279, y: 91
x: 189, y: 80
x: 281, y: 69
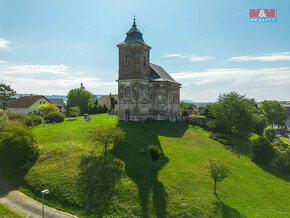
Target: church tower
x: 134, y: 74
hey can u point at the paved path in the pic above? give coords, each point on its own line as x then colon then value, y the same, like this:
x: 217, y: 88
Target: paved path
x: 25, y: 206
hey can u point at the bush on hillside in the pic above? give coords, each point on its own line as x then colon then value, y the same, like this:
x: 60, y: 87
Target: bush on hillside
x: 28, y: 121
x: 37, y: 119
x: 19, y: 117
x: 261, y: 150
x: 282, y: 161
x: 56, y: 117
x: 3, y: 121
x: 17, y: 147
x: 269, y: 133
x: 155, y: 152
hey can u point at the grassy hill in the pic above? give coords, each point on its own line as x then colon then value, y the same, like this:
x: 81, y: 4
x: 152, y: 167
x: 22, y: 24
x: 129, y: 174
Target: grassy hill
x: 178, y: 187
x: 7, y: 213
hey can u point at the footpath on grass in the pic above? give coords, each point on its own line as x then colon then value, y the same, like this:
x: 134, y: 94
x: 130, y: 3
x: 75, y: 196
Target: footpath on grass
x: 22, y: 204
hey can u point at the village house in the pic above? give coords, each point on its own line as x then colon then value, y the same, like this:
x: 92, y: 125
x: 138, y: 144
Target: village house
x: 27, y: 104
x: 145, y: 90
x: 106, y: 100
x: 58, y: 102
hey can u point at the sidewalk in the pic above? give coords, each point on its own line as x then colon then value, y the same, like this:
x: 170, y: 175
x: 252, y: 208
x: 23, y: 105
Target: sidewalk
x: 25, y: 206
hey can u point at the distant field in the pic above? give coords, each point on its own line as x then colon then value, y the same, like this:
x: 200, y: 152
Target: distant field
x: 180, y: 186
x: 7, y: 213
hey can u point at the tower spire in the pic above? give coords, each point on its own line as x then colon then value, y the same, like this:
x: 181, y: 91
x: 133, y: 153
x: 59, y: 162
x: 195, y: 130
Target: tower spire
x: 134, y: 22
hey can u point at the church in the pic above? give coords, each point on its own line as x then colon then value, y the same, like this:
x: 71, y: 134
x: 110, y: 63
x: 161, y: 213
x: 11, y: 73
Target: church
x: 145, y: 90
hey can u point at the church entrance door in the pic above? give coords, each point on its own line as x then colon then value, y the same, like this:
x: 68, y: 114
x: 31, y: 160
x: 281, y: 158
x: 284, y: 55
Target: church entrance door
x: 127, y: 114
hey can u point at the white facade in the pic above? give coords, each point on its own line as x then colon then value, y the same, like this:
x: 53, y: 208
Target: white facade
x: 23, y: 111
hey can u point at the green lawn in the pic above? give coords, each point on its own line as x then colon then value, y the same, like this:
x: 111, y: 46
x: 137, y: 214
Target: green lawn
x: 7, y: 213
x: 178, y: 187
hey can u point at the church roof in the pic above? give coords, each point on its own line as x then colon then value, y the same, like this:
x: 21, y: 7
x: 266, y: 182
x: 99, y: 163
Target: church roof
x: 157, y: 73
x: 134, y: 35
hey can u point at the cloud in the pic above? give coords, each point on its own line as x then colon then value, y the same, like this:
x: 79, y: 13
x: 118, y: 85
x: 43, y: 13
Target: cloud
x: 51, y: 79
x: 261, y: 84
x: 191, y: 58
x: 4, y: 44
x: 28, y: 69
x: 236, y: 76
x: 282, y: 56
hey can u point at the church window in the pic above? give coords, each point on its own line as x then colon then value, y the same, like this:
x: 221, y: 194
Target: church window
x: 144, y: 62
x: 128, y: 61
x: 159, y: 97
x: 127, y: 92
x: 172, y: 97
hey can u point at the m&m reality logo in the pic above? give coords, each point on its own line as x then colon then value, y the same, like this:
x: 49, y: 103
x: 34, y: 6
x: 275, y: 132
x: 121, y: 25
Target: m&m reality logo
x: 263, y: 15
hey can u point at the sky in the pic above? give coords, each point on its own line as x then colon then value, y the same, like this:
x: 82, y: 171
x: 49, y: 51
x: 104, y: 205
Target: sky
x: 51, y: 46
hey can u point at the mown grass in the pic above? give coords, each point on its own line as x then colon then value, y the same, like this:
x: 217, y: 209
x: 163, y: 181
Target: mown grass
x: 178, y: 185
x: 7, y: 213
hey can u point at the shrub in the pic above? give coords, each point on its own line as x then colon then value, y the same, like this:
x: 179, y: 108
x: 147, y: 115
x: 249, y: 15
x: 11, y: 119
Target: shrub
x: 17, y: 147
x: 28, y: 121
x: 185, y: 113
x: 56, y: 117
x: 282, y: 161
x: 261, y: 150
x: 19, y: 117
x: 269, y: 133
x: 37, y: 119
x: 74, y: 111
x: 155, y: 152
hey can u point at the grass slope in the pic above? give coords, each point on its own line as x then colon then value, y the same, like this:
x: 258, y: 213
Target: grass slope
x: 7, y: 213
x: 180, y: 185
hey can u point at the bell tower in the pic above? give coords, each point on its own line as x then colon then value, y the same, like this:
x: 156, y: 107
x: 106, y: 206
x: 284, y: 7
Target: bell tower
x: 134, y: 76
x: 134, y: 56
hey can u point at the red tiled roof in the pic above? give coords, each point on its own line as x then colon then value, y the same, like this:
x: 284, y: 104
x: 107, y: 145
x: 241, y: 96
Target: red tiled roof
x: 105, y: 100
x: 25, y: 101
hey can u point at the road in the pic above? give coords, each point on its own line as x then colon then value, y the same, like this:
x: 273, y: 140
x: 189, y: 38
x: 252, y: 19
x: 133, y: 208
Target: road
x: 24, y: 205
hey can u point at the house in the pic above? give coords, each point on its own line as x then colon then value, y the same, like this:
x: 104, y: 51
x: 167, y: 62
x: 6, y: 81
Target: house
x: 145, y: 90
x: 27, y: 104
x: 106, y: 100
x: 58, y: 102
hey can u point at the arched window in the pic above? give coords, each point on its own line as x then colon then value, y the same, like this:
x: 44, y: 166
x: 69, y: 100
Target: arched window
x: 144, y: 62
x: 128, y: 61
x: 159, y: 97
x: 127, y: 92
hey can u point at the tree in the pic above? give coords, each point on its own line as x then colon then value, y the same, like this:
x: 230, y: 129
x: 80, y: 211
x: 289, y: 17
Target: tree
x: 274, y: 112
x: 45, y: 109
x: 106, y: 136
x: 218, y: 170
x: 6, y: 95
x: 233, y: 115
x: 260, y: 123
x: 261, y: 150
x: 269, y: 133
x: 74, y: 111
x: 80, y: 98
x: 113, y: 103
x: 17, y: 146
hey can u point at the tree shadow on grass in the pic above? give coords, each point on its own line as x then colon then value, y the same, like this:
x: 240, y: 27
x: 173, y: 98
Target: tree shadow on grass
x: 274, y: 171
x: 226, y: 211
x: 138, y: 163
x: 98, y: 178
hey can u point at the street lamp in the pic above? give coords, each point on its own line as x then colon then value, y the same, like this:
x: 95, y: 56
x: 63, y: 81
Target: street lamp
x: 44, y: 192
